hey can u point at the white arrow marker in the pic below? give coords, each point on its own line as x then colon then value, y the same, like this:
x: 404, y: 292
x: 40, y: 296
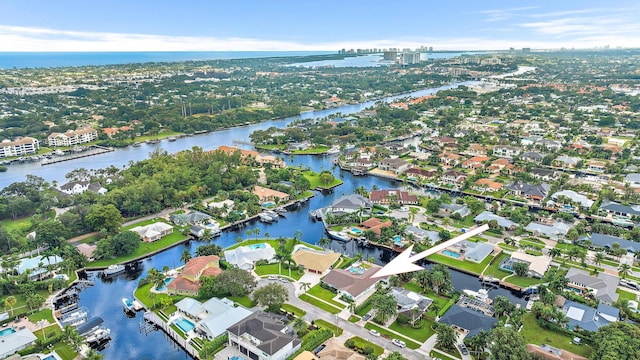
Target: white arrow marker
x: 404, y: 262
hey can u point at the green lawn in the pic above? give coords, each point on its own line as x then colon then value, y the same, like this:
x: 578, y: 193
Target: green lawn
x: 365, y: 309
x: 272, y: 269
x: 362, y: 343
x: 21, y: 225
x: 314, y: 180
x: 421, y: 334
x: 90, y: 240
x: 242, y: 300
x: 143, y: 249
x: 326, y: 295
x: 354, y: 319
x: 161, y: 135
x: 65, y: 351
x: 319, y: 304
x: 439, y: 355
x: 534, y: 334
x: 464, y: 265
x: 143, y: 293
x: 337, y: 331
x: 311, y: 151
x: 504, y: 246
x: 494, y: 269
x: 389, y: 335
x: 626, y: 295
x: 294, y: 310
x: 40, y: 315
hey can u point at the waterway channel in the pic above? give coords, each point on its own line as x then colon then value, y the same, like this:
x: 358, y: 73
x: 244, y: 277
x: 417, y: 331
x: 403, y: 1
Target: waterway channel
x: 104, y: 298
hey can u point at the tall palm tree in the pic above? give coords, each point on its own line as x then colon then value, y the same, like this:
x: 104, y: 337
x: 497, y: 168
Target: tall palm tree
x: 186, y: 256
x: 267, y: 235
x: 256, y: 232
x: 324, y: 241
x: 300, y: 325
x: 555, y: 252
x: 41, y: 324
x: 297, y: 236
x: 305, y: 286
x: 280, y: 257
x: 10, y: 302
x: 598, y: 258
x: 446, y: 336
x: 437, y: 279
x: 624, y: 270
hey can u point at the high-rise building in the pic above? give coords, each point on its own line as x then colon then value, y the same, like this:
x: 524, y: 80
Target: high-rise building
x: 390, y: 55
x: 409, y: 58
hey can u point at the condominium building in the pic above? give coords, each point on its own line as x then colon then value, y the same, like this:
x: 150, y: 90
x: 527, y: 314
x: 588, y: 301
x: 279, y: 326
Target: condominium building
x: 22, y: 146
x: 73, y: 137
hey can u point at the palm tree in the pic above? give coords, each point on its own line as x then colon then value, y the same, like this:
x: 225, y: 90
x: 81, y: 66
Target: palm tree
x: 598, y: 258
x: 435, y: 307
x: 352, y: 307
x: 156, y: 277
x: 300, y: 325
x: 41, y: 324
x: 280, y: 257
x: 297, y: 236
x: 267, y: 235
x: 324, y: 241
x: 186, y: 256
x: 152, y: 296
x: 305, y: 286
x: 256, y: 232
x: 239, y: 239
x: 249, y: 232
x: 624, y: 270
x: 446, y: 336
x: 437, y: 279
x: 555, y: 252
x: 10, y: 302
x: 93, y: 355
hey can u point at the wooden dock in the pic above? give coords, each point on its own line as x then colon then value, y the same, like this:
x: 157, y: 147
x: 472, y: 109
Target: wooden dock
x: 95, y: 150
x: 154, y: 319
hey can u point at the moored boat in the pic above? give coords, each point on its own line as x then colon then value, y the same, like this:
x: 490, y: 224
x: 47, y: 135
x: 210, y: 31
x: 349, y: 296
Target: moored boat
x: 339, y: 235
x: 113, y: 270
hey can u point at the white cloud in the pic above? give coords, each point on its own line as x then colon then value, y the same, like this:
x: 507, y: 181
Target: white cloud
x: 504, y: 14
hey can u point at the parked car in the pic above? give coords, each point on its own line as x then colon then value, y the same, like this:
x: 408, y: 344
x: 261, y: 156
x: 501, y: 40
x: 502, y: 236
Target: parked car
x: 374, y: 332
x: 283, y: 280
x: 366, y: 317
x: 319, y: 348
x: 272, y: 277
x: 399, y: 343
x: 463, y: 349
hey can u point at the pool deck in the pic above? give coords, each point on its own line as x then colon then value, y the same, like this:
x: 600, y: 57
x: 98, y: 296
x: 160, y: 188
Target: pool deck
x: 152, y: 318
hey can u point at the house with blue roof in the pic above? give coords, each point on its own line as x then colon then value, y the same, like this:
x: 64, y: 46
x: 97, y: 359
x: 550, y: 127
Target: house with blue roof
x: 606, y: 242
x: 36, y: 267
x: 588, y: 318
x: 487, y: 216
x: 554, y: 231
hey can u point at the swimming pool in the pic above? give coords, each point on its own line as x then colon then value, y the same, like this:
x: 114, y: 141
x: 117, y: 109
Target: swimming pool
x: 356, y: 231
x: 256, y: 246
x: 356, y: 270
x: 167, y: 281
x: 185, y: 325
x: 7, y: 332
x: 236, y: 358
x: 397, y: 239
x: 451, y: 253
x: 269, y: 204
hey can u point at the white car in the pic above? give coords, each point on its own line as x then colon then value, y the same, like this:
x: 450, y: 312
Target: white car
x: 399, y: 343
x: 374, y: 332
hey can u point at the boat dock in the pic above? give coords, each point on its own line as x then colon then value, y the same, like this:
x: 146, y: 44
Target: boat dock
x: 93, y: 150
x: 155, y: 320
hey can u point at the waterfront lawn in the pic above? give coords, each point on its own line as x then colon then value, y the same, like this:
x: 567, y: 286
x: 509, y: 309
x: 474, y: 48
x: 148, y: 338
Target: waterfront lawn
x: 362, y: 343
x: 321, y: 323
x: 420, y: 334
x: 143, y: 293
x: 312, y: 151
x: 162, y: 134
x: 44, y: 314
x: 389, y: 335
x: 626, y: 295
x: 494, y: 269
x: 326, y: 295
x: 288, y: 244
x: 535, y: 334
x: 143, y: 249
x: 314, y: 180
x: 465, y: 265
x: 65, y: 351
x: 319, y: 304
x: 271, y: 269
x: 294, y: 310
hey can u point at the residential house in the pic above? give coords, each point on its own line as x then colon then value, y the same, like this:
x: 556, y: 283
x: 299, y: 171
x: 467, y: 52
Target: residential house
x: 420, y: 235
x: 191, y: 218
x: 38, y: 267
x: 506, y: 151
x: 500, y: 164
x: 213, y: 317
x: 554, y: 231
x: 79, y: 187
x: 420, y: 174
x: 615, y: 209
x: 410, y: 304
x: 374, y: 224
x: 633, y: 180
x: 87, y: 250
x: 598, y: 166
x: 471, y: 322
x: 487, y: 185
x: 262, y: 336
x: 15, y: 341
x: 19, y: 147
x: 245, y: 256
x: 566, y: 162
x: 531, y: 192
x: 531, y: 156
x: 602, y: 287
x: 587, y: 318
x: 453, y: 177
x: 606, y: 242
x: 452, y: 209
x: 396, y: 165
x: 476, y: 149
x: 153, y: 232
x: 72, y: 137
x: 299, y: 146
x: 486, y: 216
x: 188, y: 281
x: 334, y: 350
x: 353, y: 284
x: 389, y: 197
x: 543, y: 174
x: 266, y: 195
x: 538, y: 265
x: 476, y: 162
x: 450, y: 159
x: 351, y: 203
x: 552, y: 145
x: 314, y: 261
x: 472, y: 251
x: 576, y: 198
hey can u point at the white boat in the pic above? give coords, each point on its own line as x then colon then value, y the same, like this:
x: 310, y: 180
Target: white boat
x: 333, y: 150
x: 98, y: 335
x: 74, y: 316
x: 127, y: 304
x: 482, y: 295
x: 339, y: 235
x: 113, y: 269
x: 265, y: 218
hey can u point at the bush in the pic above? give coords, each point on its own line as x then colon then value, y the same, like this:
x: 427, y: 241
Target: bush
x: 403, y: 319
x: 350, y: 344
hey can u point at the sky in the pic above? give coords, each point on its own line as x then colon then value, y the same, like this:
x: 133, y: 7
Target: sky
x: 327, y: 25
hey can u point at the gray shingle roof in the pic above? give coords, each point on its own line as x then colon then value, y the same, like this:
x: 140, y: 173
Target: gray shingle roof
x: 470, y: 320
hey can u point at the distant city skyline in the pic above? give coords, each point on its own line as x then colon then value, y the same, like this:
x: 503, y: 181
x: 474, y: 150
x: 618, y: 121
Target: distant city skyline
x: 284, y: 25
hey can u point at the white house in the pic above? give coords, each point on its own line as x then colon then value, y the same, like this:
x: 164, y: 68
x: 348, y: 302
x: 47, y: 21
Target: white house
x: 245, y: 256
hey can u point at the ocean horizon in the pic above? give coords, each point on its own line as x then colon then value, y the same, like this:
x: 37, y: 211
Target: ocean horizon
x: 22, y: 60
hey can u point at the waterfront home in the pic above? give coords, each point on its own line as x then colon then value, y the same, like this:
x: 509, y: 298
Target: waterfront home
x: 487, y: 185
x: 543, y: 174
x: 87, y: 250
x: 78, y: 187
x: 392, y: 197
x: 374, y: 224
x: 469, y: 321
x: 531, y: 156
x: 486, y: 216
x: 353, y: 283
x: 468, y: 250
x: 602, y: 287
x: 245, y: 256
x: 476, y: 149
x: 410, y: 304
x: 395, y: 165
x: 603, y: 241
x: 420, y: 235
x: 499, y: 165
x: 266, y: 195
x: 191, y: 218
x: 633, y: 180
x: 349, y: 204
x: 616, y: 209
x: 314, y: 261
x: 505, y: 151
x: 452, y: 209
x: 213, y: 317
x: 72, y: 137
x: 531, y: 192
x: 38, y: 267
x: 588, y: 318
x: 263, y: 336
x: 188, y: 280
x: 450, y: 159
x: 549, y: 144
x: 420, y: 174
x: 19, y: 147
x: 476, y: 162
x: 15, y: 341
x: 555, y: 230
x: 574, y: 197
x: 538, y: 265
x: 153, y: 232
x: 453, y: 177
x: 566, y: 162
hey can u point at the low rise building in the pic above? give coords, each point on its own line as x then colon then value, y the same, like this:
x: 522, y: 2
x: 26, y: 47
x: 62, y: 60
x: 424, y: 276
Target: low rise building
x: 72, y: 137
x: 20, y: 147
